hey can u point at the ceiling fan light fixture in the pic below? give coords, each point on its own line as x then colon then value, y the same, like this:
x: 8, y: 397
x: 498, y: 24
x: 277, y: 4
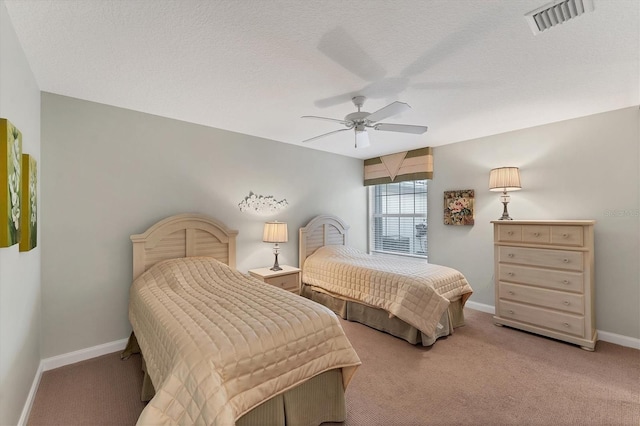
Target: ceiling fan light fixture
x: 362, y: 137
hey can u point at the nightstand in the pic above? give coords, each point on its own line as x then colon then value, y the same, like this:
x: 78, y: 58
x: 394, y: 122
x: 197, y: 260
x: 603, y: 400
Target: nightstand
x: 287, y: 279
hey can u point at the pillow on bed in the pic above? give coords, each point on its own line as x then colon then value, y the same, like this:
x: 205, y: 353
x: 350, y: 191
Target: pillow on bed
x: 176, y: 280
x: 339, y: 250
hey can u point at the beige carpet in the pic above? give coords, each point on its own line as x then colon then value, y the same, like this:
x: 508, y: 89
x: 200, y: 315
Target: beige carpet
x: 481, y: 375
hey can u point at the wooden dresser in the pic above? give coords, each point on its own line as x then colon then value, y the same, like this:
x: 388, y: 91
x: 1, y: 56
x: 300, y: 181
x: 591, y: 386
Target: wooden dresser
x: 544, y: 278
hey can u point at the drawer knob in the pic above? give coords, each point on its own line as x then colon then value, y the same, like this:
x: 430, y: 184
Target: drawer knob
x: 510, y: 274
x: 566, y: 324
x: 565, y: 235
x: 510, y: 311
x: 565, y: 281
x: 536, y: 234
x: 509, y: 232
x: 565, y: 260
x: 510, y: 255
x: 511, y: 293
x: 566, y: 303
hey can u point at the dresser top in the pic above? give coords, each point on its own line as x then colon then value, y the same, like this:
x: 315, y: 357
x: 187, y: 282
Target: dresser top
x: 544, y: 222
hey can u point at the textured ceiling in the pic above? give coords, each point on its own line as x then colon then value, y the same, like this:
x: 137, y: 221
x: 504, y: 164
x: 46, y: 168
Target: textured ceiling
x: 468, y: 68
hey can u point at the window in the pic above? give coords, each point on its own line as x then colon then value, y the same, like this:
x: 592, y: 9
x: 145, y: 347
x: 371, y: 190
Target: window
x: 398, y: 218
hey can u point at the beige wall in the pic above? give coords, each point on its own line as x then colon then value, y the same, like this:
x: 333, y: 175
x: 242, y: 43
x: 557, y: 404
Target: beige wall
x: 19, y: 272
x: 111, y: 172
x: 586, y: 168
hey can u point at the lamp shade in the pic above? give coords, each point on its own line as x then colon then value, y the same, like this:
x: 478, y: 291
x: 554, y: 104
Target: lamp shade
x: 275, y: 232
x: 504, y: 179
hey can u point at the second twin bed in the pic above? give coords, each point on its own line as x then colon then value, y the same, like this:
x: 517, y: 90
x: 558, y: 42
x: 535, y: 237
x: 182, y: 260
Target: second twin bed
x: 408, y: 298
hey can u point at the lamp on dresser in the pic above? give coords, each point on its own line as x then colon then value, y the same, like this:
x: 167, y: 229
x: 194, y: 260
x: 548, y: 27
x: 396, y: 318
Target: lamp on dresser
x: 275, y: 232
x: 505, y: 179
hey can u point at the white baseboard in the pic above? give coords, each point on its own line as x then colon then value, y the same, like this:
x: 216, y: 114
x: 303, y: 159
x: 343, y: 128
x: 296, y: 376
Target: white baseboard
x: 62, y: 360
x: 618, y: 339
x: 83, y: 354
x: 605, y: 336
x: 26, y: 410
x: 480, y: 307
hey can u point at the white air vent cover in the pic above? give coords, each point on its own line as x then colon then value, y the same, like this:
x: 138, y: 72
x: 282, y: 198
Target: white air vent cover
x: 556, y: 13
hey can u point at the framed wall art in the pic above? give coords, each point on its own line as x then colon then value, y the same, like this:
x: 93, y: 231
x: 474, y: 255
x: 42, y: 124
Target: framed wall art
x: 29, y: 212
x: 458, y: 207
x: 10, y: 187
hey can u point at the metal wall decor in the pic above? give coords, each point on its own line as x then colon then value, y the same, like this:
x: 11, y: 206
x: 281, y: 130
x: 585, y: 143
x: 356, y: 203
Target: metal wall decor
x: 262, y: 205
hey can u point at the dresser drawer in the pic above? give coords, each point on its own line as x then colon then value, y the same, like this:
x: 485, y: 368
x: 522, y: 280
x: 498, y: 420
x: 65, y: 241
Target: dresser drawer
x: 536, y: 234
x: 285, y: 282
x: 562, y: 259
x: 558, y: 300
x: 510, y: 233
x: 550, y: 278
x: 567, y: 235
x: 558, y: 321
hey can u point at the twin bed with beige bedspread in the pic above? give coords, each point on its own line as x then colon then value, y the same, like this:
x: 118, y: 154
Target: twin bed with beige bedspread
x: 406, y: 297
x: 219, y: 346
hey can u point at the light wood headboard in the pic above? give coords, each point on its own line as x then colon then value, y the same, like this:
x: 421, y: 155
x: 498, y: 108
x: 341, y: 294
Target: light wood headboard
x: 321, y: 231
x: 183, y: 235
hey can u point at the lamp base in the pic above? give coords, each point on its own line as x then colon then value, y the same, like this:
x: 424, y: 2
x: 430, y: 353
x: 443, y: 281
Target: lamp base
x: 505, y: 213
x: 504, y: 199
x: 276, y: 267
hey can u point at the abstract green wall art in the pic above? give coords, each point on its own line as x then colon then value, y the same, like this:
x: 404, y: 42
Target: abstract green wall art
x: 10, y: 184
x: 29, y: 212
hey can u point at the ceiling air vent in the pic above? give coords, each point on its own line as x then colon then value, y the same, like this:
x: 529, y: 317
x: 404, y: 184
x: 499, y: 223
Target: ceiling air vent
x: 556, y: 13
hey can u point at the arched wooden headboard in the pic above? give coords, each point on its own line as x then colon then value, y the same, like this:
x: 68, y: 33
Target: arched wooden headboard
x: 183, y: 235
x: 321, y: 231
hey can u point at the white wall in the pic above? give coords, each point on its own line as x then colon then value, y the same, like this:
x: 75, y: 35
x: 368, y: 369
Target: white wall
x: 111, y: 172
x: 19, y: 272
x: 586, y: 168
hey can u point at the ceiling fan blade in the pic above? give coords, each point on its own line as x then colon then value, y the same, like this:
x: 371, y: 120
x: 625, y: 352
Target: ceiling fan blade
x: 388, y: 111
x: 336, y: 120
x: 340, y: 47
x: 465, y: 36
x: 453, y: 85
x: 403, y: 128
x: 323, y: 135
x: 335, y: 100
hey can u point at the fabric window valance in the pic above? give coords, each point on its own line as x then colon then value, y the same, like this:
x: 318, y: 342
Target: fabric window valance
x: 416, y: 164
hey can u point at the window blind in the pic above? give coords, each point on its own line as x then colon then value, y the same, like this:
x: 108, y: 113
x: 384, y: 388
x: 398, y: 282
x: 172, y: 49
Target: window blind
x: 398, y: 217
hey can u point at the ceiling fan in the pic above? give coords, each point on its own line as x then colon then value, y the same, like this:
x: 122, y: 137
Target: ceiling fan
x: 361, y: 120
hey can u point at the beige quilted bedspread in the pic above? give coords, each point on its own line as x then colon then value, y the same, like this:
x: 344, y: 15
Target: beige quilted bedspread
x: 218, y: 343
x: 415, y: 291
